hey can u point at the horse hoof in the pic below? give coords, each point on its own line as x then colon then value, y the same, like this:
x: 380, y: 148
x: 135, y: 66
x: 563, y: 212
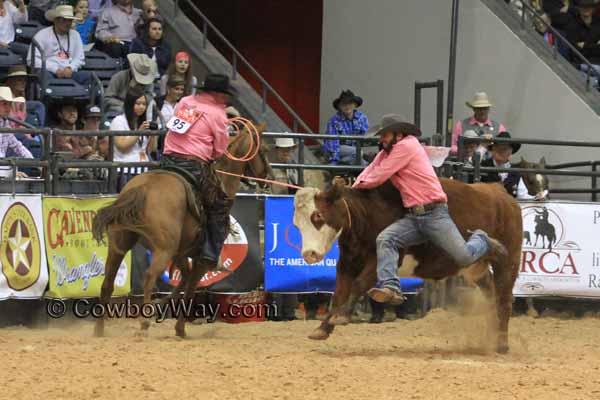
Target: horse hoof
x: 502, y: 348
x: 180, y: 333
x: 318, y: 334
x: 145, y: 325
x: 338, y: 320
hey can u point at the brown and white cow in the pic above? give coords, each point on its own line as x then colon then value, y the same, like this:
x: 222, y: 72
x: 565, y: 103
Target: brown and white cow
x: 356, y: 217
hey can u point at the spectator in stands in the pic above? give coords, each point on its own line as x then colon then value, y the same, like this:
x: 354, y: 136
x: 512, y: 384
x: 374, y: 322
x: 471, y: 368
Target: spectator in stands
x: 10, y: 15
x: 480, y: 122
x: 85, y: 24
x: 62, y: 47
x: 561, y: 13
x: 9, y: 141
x: 133, y: 148
x: 181, y: 68
x: 512, y: 181
x: 139, y: 76
x: 285, y: 149
x: 584, y: 31
x: 174, y: 94
x: 346, y: 121
x: 38, y: 9
x: 96, y: 7
x: 84, y: 147
x: 67, y: 117
x: 149, y: 11
x: 151, y: 43
x: 91, y: 118
x: 116, y: 28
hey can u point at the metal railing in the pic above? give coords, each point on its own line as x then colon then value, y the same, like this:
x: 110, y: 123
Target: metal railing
x: 236, y: 55
x: 552, y: 170
x: 558, y: 37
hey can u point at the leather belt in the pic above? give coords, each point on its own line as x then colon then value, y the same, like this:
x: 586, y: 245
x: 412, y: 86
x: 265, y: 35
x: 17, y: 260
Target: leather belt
x: 424, y: 208
x: 189, y: 157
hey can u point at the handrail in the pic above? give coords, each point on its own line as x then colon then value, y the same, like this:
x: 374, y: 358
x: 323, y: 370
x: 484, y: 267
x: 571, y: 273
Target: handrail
x: 236, y: 54
x: 555, y: 33
x: 42, y: 78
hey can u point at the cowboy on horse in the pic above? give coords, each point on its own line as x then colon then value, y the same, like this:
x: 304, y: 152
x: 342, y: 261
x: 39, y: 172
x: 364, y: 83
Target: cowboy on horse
x: 404, y: 161
x: 197, y: 137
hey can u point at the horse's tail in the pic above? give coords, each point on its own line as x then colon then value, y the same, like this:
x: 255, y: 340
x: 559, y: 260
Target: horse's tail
x: 126, y: 213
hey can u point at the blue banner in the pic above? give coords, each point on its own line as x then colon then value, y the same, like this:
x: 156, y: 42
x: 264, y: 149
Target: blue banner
x: 285, y: 269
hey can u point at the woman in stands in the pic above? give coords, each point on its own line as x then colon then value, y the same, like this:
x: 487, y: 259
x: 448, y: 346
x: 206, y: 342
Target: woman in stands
x: 152, y: 44
x: 85, y: 25
x: 181, y: 68
x: 133, y: 148
x: 10, y: 15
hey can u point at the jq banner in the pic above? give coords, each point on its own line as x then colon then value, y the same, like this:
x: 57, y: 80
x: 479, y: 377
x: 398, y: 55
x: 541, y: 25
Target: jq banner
x: 240, y: 256
x: 285, y: 269
x: 23, y: 272
x: 75, y: 259
x: 561, y: 250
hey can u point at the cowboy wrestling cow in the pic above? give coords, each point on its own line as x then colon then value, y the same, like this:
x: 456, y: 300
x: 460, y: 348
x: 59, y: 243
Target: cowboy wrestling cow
x: 399, y: 206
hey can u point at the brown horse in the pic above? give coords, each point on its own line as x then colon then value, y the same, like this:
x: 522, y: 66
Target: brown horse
x: 159, y: 210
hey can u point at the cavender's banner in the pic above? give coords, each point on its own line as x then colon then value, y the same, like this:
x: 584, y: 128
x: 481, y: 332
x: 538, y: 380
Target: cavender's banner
x: 561, y: 250
x: 75, y: 259
x: 23, y: 272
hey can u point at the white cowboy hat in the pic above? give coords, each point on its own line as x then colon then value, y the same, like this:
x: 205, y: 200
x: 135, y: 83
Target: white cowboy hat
x: 61, y: 11
x: 6, y: 95
x: 470, y: 134
x: 480, y: 100
x: 144, y: 69
x: 284, y: 143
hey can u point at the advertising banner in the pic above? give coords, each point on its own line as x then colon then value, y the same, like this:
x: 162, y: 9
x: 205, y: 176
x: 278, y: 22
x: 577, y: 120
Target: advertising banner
x: 75, y: 259
x: 23, y: 271
x: 561, y: 250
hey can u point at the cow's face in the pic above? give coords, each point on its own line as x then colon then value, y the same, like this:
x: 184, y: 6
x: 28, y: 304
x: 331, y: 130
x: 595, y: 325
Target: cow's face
x: 320, y: 217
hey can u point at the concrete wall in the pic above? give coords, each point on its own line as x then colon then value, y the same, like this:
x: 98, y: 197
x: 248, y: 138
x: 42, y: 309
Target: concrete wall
x: 380, y: 48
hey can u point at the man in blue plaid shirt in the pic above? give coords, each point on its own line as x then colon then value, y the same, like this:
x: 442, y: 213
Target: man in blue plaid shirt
x: 346, y: 121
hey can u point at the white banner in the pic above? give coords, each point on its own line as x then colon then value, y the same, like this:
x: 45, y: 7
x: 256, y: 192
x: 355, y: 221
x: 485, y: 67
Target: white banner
x: 23, y: 268
x: 561, y: 250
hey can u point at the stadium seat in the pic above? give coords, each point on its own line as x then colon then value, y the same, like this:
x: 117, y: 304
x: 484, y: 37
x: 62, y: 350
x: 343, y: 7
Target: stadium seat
x: 98, y: 61
x: 8, y: 58
x: 26, y: 31
x: 58, y: 89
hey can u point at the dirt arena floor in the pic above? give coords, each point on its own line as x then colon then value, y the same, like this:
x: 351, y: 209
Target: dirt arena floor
x: 445, y: 355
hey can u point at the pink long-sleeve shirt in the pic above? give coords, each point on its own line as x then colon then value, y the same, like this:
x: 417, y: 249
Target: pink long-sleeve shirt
x: 458, y: 131
x: 207, y: 138
x: 409, y: 169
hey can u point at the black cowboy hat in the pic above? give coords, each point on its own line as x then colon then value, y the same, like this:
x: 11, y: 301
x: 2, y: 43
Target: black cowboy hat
x: 394, y: 123
x: 506, y: 135
x: 347, y: 96
x: 217, y: 83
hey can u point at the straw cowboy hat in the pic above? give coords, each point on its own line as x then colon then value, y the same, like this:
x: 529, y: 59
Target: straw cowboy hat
x: 16, y: 71
x: 6, y: 95
x: 285, y: 143
x: 506, y: 135
x: 347, y: 96
x: 480, y: 100
x: 396, y: 123
x: 61, y: 11
x: 143, y: 68
x: 217, y: 83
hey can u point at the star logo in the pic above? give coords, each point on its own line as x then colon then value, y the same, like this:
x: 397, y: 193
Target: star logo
x: 20, y: 247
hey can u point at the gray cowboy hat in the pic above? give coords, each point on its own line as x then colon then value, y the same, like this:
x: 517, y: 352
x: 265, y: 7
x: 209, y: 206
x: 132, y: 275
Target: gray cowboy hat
x: 347, y: 96
x: 143, y: 68
x: 396, y: 123
x: 218, y: 83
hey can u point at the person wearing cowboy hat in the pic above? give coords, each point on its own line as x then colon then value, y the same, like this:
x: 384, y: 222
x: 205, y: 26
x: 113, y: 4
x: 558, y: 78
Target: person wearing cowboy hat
x: 197, y: 137
x: 583, y: 31
x: 16, y: 79
x: 512, y: 181
x: 8, y: 142
x: 479, y: 122
x: 346, y: 121
x: 284, y: 153
x: 140, y: 76
x: 116, y: 28
x: 404, y: 161
x: 62, y: 47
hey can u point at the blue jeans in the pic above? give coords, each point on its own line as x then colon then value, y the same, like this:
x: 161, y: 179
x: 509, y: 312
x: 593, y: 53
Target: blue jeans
x: 435, y: 226
x: 82, y: 77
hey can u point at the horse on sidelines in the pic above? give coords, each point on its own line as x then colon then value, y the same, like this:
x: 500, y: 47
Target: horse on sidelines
x: 356, y: 217
x: 159, y: 209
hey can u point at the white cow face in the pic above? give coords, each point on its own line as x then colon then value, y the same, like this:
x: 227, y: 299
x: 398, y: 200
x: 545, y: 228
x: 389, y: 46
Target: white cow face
x: 317, y: 235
